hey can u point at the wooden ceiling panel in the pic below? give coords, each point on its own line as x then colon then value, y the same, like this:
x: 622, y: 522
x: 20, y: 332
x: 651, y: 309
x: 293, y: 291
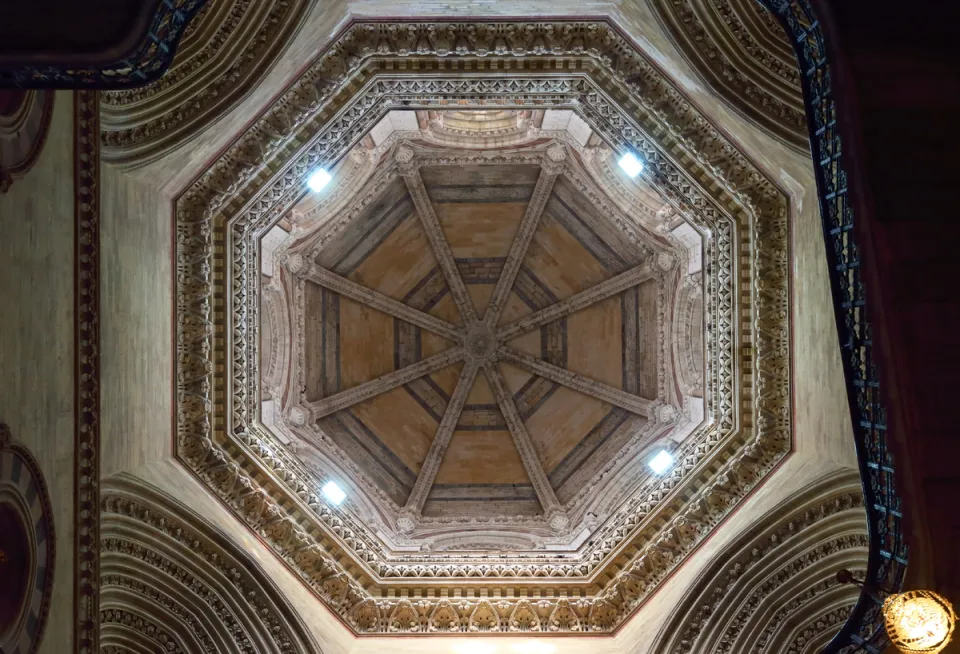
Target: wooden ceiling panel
x: 366, y: 343
x: 595, y: 346
x: 399, y: 263
x: 482, y: 457
x: 409, y: 438
x: 563, y: 421
x: 559, y: 261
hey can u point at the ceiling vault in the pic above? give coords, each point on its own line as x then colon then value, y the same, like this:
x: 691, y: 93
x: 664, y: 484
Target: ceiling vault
x: 578, y: 382
x: 368, y: 296
x: 431, y: 225
x: 528, y: 454
x: 578, y: 302
x: 528, y: 226
x: 431, y: 465
x: 328, y: 405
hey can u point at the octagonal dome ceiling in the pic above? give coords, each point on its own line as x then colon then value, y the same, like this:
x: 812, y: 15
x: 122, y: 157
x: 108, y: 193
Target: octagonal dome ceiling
x: 478, y: 352
x: 481, y: 328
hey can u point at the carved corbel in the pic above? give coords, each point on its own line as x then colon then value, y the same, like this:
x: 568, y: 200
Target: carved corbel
x: 405, y: 160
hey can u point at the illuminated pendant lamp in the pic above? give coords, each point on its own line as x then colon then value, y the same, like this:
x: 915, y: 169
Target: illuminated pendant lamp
x: 916, y: 620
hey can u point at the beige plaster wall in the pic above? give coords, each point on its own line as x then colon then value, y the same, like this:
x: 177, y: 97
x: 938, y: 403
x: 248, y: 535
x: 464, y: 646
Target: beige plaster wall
x: 37, y: 340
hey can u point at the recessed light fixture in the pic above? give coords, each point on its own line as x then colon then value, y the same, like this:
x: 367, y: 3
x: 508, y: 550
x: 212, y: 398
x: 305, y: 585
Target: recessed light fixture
x: 333, y: 493
x: 318, y: 179
x: 631, y: 165
x: 661, y: 462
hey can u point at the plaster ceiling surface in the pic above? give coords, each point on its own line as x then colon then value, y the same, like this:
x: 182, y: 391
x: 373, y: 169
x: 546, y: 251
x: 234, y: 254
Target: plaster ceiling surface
x: 481, y: 328
x: 514, y: 414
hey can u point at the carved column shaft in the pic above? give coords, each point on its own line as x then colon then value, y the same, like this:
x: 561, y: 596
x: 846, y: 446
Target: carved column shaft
x: 324, y: 407
x: 577, y: 302
x: 448, y: 424
x: 577, y: 382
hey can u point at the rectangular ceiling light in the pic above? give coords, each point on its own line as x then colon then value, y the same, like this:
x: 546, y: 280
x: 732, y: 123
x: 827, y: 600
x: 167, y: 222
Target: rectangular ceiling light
x: 318, y: 179
x: 631, y: 165
x: 333, y: 493
x: 661, y: 462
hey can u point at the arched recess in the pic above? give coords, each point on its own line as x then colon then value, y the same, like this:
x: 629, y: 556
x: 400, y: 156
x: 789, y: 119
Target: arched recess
x: 226, y: 49
x: 774, y: 589
x: 171, y: 582
x: 27, y: 548
x: 743, y: 54
x: 24, y: 123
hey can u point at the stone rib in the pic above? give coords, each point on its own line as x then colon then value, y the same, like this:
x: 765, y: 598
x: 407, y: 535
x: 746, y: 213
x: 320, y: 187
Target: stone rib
x: 577, y: 382
x: 521, y: 438
x: 381, y: 302
x: 431, y: 464
x: 518, y: 249
x: 577, y: 302
x: 448, y: 265
x: 324, y: 407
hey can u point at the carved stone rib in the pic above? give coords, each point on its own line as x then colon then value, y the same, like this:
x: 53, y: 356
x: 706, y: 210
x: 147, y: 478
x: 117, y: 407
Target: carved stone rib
x: 521, y: 437
x: 431, y: 464
x: 387, y: 382
x: 381, y: 302
x: 577, y: 382
x: 518, y: 249
x: 448, y: 265
x: 577, y: 302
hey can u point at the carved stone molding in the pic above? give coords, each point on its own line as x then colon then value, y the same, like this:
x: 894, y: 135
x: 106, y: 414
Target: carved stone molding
x: 28, y: 546
x: 226, y: 50
x: 87, y: 370
x: 742, y: 52
x: 786, y: 564
x: 172, y: 583
x: 258, y: 179
x: 24, y: 123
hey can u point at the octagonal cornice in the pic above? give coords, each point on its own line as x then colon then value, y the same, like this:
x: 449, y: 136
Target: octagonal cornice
x: 590, y: 68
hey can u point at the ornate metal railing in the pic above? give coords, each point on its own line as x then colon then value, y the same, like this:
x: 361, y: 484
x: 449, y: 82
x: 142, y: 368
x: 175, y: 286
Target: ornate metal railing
x: 146, y: 64
x: 864, y: 630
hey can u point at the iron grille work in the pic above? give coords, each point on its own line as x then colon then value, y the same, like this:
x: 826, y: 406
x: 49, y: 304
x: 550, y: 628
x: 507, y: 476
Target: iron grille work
x: 864, y: 630
x: 148, y: 62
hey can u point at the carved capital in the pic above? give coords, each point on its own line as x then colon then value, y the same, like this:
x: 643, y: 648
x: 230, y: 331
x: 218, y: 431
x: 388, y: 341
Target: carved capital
x: 555, y: 160
x: 557, y: 519
x: 666, y: 261
x: 298, y: 416
x: 297, y: 264
x: 406, y: 160
x: 407, y: 521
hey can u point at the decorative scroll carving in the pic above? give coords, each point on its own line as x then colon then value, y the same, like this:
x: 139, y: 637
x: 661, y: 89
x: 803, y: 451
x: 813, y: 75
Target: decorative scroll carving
x: 24, y: 494
x: 228, y: 50
x: 161, y: 560
x: 24, y: 124
x: 237, y: 196
x: 789, y: 560
x: 744, y: 55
